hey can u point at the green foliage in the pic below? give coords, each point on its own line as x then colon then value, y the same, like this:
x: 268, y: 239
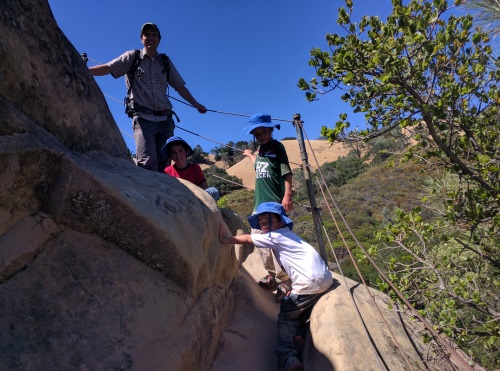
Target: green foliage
x: 437, y: 79
x: 487, y: 14
x: 231, y: 153
x: 365, y: 201
x: 241, y: 202
x: 441, y: 273
x: 336, y: 173
x: 199, y: 156
x: 223, y: 202
x: 225, y: 185
x: 381, y: 149
x: 241, y: 145
x: 369, y: 274
x: 342, y: 170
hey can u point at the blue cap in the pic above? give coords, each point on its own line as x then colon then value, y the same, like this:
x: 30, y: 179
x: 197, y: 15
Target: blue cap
x: 269, y: 207
x: 259, y: 120
x: 165, y: 150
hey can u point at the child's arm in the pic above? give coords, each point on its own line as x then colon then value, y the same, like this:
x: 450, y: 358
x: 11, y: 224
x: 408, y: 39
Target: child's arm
x: 231, y: 240
x: 287, y: 198
x: 250, y: 155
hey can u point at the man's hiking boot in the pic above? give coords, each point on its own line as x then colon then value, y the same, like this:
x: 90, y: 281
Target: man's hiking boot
x: 298, y: 342
x: 283, y: 290
x: 268, y: 282
x: 292, y: 364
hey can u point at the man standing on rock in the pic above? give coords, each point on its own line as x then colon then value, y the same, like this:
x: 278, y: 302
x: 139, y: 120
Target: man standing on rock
x: 148, y: 76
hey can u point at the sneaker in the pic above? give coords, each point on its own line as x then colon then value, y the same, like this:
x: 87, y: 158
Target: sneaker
x: 292, y: 364
x: 283, y: 290
x: 268, y: 282
x: 298, y: 342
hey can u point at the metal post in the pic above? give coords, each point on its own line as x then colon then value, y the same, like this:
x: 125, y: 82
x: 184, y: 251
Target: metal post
x: 310, y: 191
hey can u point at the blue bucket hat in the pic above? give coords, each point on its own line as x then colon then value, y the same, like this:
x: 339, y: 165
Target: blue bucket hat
x: 259, y: 120
x: 269, y: 207
x: 165, y: 150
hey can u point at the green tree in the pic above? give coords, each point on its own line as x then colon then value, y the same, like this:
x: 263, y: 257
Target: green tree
x: 437, y: 79
x: 380, y: 149
x: 216, y: 151
x: 241, y: 146
x: 340, y: 171
x: 220, y: 179
x: 225, y: 153
x: 335, y: 173
x: 199, y: 156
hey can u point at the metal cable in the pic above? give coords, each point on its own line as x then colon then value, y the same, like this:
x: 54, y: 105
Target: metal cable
x: 360, y: 317
x: 442, y: 342
x: 370, y: 294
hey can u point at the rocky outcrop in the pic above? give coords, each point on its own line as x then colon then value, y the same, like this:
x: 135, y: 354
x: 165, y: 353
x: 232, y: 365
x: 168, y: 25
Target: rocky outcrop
x: 44, y: 77
x: 103, y: 265
x: 347, y: 331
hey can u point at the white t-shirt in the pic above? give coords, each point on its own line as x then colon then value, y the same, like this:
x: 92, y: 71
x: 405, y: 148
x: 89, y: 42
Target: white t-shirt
x: 302, y: 263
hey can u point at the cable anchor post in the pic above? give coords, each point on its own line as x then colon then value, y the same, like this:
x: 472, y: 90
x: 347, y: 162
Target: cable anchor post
x: 85, y: 58
x: 297, y: 122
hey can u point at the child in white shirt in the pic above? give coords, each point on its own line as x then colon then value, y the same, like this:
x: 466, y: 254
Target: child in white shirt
x: 305, y: 267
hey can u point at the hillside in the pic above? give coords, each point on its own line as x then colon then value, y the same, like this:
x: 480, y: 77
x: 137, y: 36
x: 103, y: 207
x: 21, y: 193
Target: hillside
x: 365, y: 201
x: 317, y: 150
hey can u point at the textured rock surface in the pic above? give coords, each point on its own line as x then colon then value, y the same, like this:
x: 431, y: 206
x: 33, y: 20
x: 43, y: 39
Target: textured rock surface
x: 98, y: 274
x: 356, y: 336
x: 43, y: 75
x: 336, y: 340
x: 103, y: 265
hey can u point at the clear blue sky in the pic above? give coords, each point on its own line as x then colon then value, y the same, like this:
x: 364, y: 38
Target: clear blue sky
x: 241, y: 57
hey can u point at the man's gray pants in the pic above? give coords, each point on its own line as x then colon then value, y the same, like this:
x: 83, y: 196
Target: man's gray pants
x: 149, y: 138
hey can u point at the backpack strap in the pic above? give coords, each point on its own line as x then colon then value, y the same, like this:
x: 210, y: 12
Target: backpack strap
x: 129, y: 105
x: 131, y: 73
x: 166, y: 69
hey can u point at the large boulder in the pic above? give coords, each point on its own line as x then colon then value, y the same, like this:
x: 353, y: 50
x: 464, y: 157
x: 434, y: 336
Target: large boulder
x: 43, y: 76
x: 103, y: 265
x: 351, y: 328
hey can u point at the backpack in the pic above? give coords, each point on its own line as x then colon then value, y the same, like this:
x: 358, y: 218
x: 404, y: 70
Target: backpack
x: 129, y: 105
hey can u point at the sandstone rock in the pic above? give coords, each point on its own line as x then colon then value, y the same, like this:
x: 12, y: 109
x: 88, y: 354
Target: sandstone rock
x: 43, y: 73
x: 360, y: 333
x: 336, y: 339
x: 103, y: 265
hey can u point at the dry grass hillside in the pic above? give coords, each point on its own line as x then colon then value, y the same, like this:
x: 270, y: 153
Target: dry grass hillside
x: 322, y: 151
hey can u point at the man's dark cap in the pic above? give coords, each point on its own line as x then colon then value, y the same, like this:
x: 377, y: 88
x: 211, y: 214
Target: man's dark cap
x: 152, y: 26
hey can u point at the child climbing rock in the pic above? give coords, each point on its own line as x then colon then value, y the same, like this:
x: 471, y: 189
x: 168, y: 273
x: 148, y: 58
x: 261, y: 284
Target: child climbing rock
x: 309, y: 275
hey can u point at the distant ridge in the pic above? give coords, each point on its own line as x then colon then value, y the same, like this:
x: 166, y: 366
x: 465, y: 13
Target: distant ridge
x: 323, y: 152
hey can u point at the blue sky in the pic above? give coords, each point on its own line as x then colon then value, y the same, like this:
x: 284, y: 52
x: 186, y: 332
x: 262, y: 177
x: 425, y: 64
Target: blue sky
x: 241, y: 57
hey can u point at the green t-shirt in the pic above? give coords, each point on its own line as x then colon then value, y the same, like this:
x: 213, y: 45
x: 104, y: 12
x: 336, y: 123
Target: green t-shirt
x: 271, y: 165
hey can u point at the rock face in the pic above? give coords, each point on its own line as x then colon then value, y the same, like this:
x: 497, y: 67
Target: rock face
x: 103, y: 265
x: 43, y: 76
x: 339, y: 338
